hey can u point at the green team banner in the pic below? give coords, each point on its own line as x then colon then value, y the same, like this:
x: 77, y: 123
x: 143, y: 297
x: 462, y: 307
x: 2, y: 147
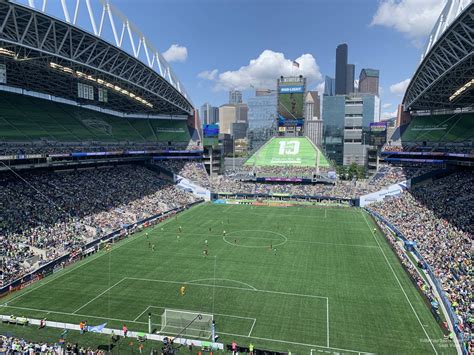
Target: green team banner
x: 294, y: 151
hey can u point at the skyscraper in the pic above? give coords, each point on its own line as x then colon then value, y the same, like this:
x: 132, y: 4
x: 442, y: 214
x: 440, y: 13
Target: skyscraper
x: 209, y: 114
x: 341, y: 69
x: 235, y: 97
x: 329, y: 86
x: 312, y: 105
x: 350, y: 69
x: 369, y: 81
x: 228, y: 114
x: 262, y: 117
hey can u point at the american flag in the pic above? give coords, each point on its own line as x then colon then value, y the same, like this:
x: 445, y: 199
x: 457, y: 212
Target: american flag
x: 296, y: 64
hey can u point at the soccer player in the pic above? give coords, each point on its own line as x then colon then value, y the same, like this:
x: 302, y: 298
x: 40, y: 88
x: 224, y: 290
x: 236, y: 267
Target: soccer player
x: 210, y: 229
x: 177, y: 238
x: 182, y: 290
x: 275, y: 251
x: 205, y: 242
x: 153, y: 247
x: 271, y: 247
x: 205, y: 252
x: 180, y: 229
x: 223, y: 233
x: 146, y: 235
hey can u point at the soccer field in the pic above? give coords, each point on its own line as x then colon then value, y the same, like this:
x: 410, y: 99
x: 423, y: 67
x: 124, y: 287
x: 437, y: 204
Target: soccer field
x: 327, y: 284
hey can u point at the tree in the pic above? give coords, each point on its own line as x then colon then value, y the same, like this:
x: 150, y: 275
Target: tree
x: 352, y: 171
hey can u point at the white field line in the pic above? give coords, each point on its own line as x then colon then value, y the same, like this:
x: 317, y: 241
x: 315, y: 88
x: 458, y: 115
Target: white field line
x: 96, y: 297
x: 399, y: 283
x: 146, y: 309
x: 228, y: 287
x: 172, y: 233
x: 237, y: 335
x: 218, y: 279
x: 327, y: 322
x: 335, y: 244
x: 253, y: 325
x: 76, y: 314
x: 296, y: 343
x: 91, y: 258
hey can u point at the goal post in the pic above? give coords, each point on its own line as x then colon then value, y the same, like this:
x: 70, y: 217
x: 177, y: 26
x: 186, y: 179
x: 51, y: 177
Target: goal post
x: 186, y: 323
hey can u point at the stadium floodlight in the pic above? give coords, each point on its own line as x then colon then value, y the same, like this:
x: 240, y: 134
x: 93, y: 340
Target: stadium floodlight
x: 462, y: 89
x: 186, y: 323
x: 82, y: 75
x: 6, y: 52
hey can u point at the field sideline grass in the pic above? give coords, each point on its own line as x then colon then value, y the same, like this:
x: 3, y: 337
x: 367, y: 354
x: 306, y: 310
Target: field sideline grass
x: 330, y: 285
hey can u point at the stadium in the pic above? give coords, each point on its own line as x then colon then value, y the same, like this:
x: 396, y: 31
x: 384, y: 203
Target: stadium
x: 118, y: 237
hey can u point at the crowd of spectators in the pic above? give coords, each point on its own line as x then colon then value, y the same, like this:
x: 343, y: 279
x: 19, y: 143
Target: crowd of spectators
x: 49, y: 214
x: 281, y: 171
x: 386, y: 176
x: 12, y: 345
x: 190, y: 169
x: 46, y: 148
x: 439, y: 217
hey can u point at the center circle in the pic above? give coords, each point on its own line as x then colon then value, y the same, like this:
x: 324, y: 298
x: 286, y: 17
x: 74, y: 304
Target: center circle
x: 255, y: 238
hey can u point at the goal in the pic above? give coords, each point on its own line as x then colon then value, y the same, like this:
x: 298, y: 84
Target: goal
x: 186, y: 323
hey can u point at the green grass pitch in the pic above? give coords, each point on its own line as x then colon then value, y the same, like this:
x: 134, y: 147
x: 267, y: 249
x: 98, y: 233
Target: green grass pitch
x: 329, y: 284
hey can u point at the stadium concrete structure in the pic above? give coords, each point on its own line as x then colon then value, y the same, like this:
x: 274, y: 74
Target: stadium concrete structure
x: 74, y: 102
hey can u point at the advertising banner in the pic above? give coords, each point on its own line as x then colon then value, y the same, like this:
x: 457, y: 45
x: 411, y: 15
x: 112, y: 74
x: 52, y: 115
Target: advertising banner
x: 191, y: 187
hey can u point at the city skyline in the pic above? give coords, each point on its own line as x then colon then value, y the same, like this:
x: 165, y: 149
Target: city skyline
x: 212, y: 57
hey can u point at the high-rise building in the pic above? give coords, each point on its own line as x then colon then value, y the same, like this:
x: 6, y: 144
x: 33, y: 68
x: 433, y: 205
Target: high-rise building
x: 346, y: 122
x: 350, y: 72
x: 262, y: 117
x: 329, y: 86
x: 229, y: 114
x: 235, y: 97
x: 239, y: 130
x: 341, y: 69
x: 311, y: 105
x: 333, y: 130
x: 360, y: 111
x: 369, y: 81
x: 209, y: 114
x: 313, y: 129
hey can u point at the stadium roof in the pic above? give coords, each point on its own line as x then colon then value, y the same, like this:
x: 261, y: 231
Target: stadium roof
x: 444, y: 78
x: 46, y: 54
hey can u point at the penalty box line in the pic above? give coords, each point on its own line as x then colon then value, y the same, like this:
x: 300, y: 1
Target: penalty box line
x: 244, y: 289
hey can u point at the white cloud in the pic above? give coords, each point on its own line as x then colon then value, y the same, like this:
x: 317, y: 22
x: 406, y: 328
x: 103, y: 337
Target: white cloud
x: 265, y: 69
x: 388, y: 115
x: 208, y: 74
x: 399, y: 88
x: 320, y: 88
x: 414, y: 18
x: 387, y: 105
x: 176, y: 53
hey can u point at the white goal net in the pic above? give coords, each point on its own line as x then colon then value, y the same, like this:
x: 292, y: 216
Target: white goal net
x: 188, y: 324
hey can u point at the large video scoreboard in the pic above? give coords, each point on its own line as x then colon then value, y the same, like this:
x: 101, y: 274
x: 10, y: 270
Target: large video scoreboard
x: 378, y: 133
x: 290, y: 103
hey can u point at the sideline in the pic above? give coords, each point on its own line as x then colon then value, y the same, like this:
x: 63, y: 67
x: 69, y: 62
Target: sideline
x: 399, y: 283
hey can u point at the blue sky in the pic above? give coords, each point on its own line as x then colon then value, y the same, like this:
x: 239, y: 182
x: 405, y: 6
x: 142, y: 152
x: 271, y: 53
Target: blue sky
x: 214, y: 39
